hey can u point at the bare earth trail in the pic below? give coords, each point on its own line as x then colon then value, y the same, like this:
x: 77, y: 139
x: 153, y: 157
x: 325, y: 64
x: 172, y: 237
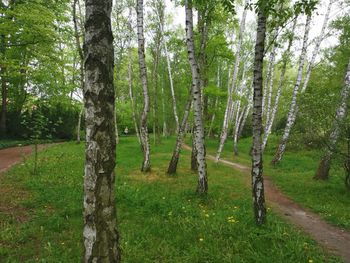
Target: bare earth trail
x: 13, y: 155
x: 334, y: 239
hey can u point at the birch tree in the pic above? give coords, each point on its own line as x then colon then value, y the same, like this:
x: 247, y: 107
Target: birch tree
x: 160, y: 15
x: 180, y: 136
x: 197, y: 105
x: 100, y: 232
x: 322, y: 172
x: 146, y: 165
x: 257, y: 165
x: 293, y: 106
x: 77, y: 34
x: 229, y: 104
x: 130, y: 80
x: 285, y: 58
x: 319, y: 39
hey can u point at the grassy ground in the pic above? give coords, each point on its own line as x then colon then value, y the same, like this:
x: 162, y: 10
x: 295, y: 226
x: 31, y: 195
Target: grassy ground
x: 6, y: 143
x: 161, y: 219
x: 294, y: 177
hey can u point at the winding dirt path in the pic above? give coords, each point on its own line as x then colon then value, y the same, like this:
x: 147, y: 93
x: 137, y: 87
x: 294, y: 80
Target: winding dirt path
x: 13, y: 155
x: 334, y: 239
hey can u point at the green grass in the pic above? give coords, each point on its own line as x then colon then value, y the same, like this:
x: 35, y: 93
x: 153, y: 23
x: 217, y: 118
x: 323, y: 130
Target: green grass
x: 160, y: 218
x: 6, y: 143
x: 293, y: 175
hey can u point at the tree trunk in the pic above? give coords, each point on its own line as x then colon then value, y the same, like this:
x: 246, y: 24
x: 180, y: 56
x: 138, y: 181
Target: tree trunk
x: 130, y: 80
x: 197, y: 106
x: 170, y: 75
x: 317, y: 46
x: 286, y: 58
x: 257, y: 164
x: 229, y: 105
x: 325, y: 164
x: 146, y: 165
x: 293, y: 106
x: 180, y: 136
x: 100, y: 231
x: 81, y: 56
x: 218, y: 84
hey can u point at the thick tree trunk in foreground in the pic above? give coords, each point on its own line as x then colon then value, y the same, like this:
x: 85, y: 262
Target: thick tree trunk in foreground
x: 325, y: 164
x: 286, y: 58
x: 100, y: 232
x: 223, y: 135
x: 180, y: 136
x: 317, y: 47
x: 257, y: 163
x: 293, y: 106
x: 197, y: 106
x: 146, y: 165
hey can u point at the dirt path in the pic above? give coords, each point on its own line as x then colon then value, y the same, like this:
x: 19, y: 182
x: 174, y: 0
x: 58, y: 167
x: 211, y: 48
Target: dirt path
x: 334, y: 239
x: 14, y: 155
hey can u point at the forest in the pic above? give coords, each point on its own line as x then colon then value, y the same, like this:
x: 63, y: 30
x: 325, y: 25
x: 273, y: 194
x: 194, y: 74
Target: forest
x: 175, y: 131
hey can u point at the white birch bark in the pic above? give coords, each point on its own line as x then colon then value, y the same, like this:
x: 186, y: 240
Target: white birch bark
x: 146, y: 165
x: 325, y: 163
x: 271, y: 119
x: 257, y: 164
x: 269, y: 72
x: 100, y: 232
x: 229, y: 105
x: 317, y: 46
x: 218, y: 83
x: 197, y: 106
x: 270, y: 83
x: 170, y: 74
x: 130, y: 80
x: 180, y: 136
x: 293, y: 106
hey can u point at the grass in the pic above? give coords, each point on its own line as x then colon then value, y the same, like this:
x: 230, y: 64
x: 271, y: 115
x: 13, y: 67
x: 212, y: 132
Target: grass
x: 160, y: 218
x: 6, y: 143
x: 293, y: 175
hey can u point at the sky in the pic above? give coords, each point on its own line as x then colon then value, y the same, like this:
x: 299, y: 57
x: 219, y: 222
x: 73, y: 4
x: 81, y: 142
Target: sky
x: 178, y: 14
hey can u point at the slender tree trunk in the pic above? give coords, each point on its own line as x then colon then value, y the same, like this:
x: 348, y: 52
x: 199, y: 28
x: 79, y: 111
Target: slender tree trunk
x: 229, y: 105
x: 100, y: 231
x: 270, y: 84
x: 81, y: 57
x: 146, y: 165
x: 197, y: 107
x: 165, y: 129
x: 257, y: 163
x: 286, y: 58
x: 130, y: 80
x: 180, y: 136
x: 293, y: 106
x: 218, y: 83
x: 170, y: 75
x: 317, y: 47
x: 269, y: 74
x: 322, y: 172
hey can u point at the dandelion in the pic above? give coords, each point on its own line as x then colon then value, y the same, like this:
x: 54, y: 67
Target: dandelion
x: 206, y: 215
x: 201, y: 239
x: 163, y: 197
x: 311, y: 261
